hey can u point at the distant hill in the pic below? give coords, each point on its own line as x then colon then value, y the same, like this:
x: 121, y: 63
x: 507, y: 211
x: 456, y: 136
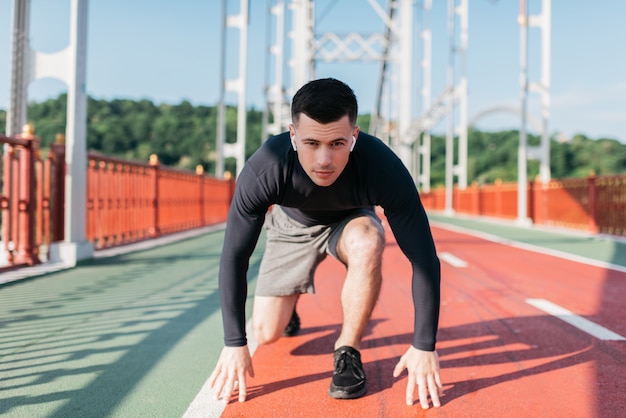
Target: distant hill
x: 184, y: 135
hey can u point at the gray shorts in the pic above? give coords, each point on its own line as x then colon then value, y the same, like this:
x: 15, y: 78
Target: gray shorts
x: 293, y: 251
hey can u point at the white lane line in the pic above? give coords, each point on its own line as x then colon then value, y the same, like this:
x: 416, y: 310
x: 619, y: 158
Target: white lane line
x: 452, y: 260
x: 529, y: 247
x: 204, y: 404
x: 579, y: 322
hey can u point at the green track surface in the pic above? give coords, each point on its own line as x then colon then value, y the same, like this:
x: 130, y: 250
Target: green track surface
x: 605, y: 249
x: 134, y: 335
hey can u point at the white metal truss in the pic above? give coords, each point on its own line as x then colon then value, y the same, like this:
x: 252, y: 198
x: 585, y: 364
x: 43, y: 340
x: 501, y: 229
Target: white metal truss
x: 542, y: 152
x: 302, y: 41
x: 276, y: 97
x: 380, y: 126
x: 405, y: 20
x: 423, y: 144
x: 395, y: 46
x: 69, y: 66
x: 453, y: 95
x: 16, y: 115
x: 236, y: 149
x: 353, y: 47
x: 393, y: 123
x: 458, y: 48
x: 300, y: 62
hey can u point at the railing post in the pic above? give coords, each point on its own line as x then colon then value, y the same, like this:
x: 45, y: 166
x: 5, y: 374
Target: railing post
x: 57, y: 152
x: 26, y: 248
x: 200, y: 173
x: 154, y: 162
x: 591, y: 190
x: 498, y: 198
x: 6, y: 205
x: 530, y: 209
x: 231, y: 190
x: 474, y: 196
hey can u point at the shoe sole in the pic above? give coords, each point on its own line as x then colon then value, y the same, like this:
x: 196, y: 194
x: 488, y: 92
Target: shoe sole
x: 291, y: 332
x: 340, y: 394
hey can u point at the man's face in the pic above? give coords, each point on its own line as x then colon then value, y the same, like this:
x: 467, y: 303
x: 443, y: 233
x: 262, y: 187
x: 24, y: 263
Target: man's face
x: 323, y: 149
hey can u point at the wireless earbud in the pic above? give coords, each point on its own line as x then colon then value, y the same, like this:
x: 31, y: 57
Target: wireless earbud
x: 353, y: 143
x: 293, y: 143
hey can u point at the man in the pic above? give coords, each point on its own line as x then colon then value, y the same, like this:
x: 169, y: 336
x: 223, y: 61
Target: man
x: 322, y: 180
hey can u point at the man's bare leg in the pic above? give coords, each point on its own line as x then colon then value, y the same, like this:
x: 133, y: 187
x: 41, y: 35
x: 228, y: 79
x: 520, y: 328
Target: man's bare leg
x: 360, y: 246
x: 270, y: 316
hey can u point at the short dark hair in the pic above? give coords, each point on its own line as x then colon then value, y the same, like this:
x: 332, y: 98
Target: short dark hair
x: 325, y: 100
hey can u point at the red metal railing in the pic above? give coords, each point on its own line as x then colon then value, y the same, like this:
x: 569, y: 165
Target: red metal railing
x: 131, y: 201
x: 595, y: 204
x: 127, y: 201
x: 25, y: 207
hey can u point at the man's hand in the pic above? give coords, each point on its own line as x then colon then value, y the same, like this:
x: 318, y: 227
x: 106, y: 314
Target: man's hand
x: 423, y: 369
x: 230, y: 372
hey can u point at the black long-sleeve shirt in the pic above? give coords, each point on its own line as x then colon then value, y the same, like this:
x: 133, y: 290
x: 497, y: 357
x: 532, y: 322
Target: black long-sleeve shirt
x: 374, y: 176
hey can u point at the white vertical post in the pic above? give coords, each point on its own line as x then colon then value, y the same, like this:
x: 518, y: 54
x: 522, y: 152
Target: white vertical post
x: 424, y: 176
x: 522, y: 174
x: 302, y: 43
x: 75, y: 247
x: 405, y: 109
x: 544, y: 168
x: 450, y: 113
x: 221, y: 105
x: 462, y: 130
x: 278, y: 52
x: 238, y: 85
x: 275, y: 97
x: 70, y: 65
x: 240, y: 153
x: 16, y: 115
x: 541, y: 21
x: 458, y: 48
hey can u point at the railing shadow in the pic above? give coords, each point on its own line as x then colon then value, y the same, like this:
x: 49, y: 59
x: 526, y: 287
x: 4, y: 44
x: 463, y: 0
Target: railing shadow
x: 557, y: 356
x: 78, y: 343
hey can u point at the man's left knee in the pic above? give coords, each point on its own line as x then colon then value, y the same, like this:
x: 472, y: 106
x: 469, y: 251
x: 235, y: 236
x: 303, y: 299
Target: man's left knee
x: 264, y: 334
x: 364, y: 236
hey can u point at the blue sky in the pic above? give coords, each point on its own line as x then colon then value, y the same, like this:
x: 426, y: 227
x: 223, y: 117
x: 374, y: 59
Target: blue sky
x: 168, y: 51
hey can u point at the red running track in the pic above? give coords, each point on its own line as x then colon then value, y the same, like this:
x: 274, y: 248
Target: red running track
x: 500, y: 356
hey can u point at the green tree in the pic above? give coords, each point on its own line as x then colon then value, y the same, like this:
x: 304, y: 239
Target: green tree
x: 3, y: 121
x: 184, y: 135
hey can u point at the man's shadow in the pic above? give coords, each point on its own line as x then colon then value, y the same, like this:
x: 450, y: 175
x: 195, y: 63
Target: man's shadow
x: 506, y: 341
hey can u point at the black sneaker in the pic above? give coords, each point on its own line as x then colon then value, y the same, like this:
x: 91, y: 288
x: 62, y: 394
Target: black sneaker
x: 349, y: 381
x: 293, y: 326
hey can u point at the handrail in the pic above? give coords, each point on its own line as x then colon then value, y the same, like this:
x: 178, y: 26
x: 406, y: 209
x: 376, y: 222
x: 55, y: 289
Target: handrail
x: 596, y: 204
x: 127, y: 201
x: 14, y: 140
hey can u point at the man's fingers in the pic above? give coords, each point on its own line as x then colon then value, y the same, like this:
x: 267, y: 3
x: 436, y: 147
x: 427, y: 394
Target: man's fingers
x: 242, y: 393
x: 212, y: 379
x: 423, y: 392
x: 410, y: 389
x: 433, y: 388
x: 243, y: 387
x: 231, y: 383
x: 219, y: 386
x: 399, y: 367
x: 229, y: 374
x: 228, y: 390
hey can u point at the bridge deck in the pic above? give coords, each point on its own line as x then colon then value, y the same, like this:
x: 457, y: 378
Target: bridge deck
x: 137, y: 333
